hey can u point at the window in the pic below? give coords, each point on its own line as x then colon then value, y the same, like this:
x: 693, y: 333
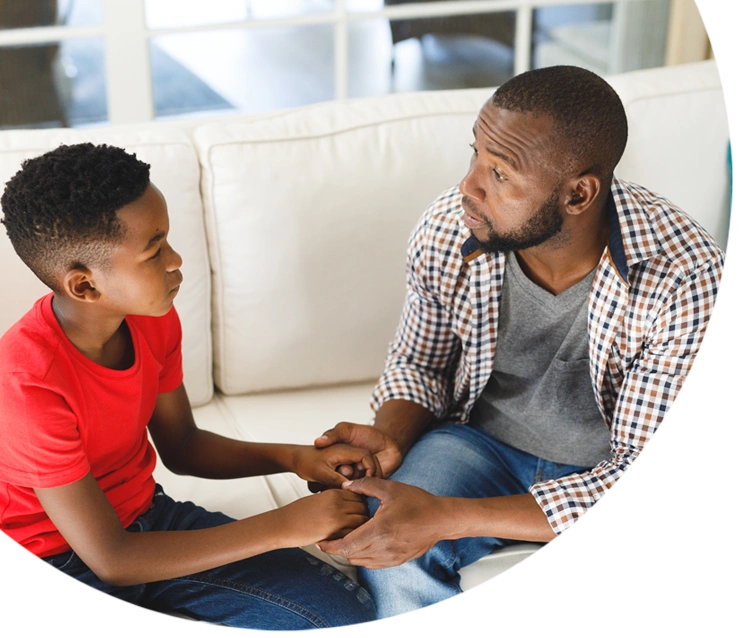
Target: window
x: 86, y: 62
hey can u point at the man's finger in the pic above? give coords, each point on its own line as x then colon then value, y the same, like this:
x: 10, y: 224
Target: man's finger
x: 369, y: 486
x: 338, y: 434
x: 354, y: 543
x: 332, y: 546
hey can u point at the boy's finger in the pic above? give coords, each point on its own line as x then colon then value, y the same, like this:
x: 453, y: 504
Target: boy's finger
x: 371, y: 466
x: 352, y: 497
x: 315, y: 487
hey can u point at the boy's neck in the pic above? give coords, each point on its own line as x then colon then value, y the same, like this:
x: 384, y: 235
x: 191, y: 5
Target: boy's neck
x: 103, y: 339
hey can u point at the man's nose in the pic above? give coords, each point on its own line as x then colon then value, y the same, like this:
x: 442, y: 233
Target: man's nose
x: 470, y: 184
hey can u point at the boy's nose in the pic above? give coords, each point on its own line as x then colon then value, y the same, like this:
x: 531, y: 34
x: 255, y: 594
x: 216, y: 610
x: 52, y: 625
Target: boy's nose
x: 175, y: 262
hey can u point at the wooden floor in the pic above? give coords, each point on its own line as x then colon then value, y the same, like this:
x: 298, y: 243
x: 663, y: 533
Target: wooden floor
x: 263, y: 70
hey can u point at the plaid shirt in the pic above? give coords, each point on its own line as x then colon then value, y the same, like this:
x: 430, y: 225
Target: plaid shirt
x: 649, y: 306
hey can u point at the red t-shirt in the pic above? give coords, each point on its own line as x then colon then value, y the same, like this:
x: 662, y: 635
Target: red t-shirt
x: 62, y: 416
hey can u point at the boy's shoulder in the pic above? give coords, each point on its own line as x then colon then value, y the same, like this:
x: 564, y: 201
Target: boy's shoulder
x: 30, y: 344
x: 36, y: 347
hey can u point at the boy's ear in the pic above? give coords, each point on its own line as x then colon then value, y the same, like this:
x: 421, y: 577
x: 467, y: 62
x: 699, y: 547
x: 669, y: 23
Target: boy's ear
x: 77, y: 283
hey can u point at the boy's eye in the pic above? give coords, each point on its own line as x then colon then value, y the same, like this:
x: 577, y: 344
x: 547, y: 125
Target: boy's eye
x: 157, y: 254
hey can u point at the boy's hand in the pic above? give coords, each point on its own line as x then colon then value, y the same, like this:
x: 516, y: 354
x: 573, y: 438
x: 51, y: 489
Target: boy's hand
x: 384, y: 449
x: 329, y: 515
x: 321, y: 468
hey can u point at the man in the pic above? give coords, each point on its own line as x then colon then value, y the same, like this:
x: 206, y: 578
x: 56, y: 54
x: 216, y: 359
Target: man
x: 552, y: 313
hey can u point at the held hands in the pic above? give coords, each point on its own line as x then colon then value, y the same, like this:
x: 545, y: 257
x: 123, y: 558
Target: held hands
x: 385, y: 449
x: 329, y: 515
x: 322, y: 467
x: 408, y: 522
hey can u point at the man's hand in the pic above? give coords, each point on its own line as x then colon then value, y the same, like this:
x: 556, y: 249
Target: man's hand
x: 321, y: 467
x: 408, y: 522
x: 367, y: 437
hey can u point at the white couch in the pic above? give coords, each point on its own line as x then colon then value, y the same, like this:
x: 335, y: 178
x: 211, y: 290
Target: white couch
x: 293, y: 228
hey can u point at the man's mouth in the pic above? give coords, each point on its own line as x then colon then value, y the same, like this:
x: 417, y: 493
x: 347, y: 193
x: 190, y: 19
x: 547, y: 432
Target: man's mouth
x: 471, y: 217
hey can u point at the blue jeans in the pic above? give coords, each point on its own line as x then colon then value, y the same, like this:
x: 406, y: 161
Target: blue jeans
x: 283, y: 589
x: 453, y: 460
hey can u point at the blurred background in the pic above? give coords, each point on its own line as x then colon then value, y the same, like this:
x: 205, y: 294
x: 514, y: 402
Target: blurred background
x: 84, y: 63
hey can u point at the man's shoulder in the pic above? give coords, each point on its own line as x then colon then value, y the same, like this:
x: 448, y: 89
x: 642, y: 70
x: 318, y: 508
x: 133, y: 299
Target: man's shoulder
x: 441, y: 223
x: 659, y: 228
x: 29, y: 345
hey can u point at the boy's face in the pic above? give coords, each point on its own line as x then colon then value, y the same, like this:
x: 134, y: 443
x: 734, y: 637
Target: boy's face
x: 142, y: 275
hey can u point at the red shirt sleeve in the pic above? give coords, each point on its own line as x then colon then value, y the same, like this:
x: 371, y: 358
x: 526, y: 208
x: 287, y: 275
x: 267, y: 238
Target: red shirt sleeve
x: 41, y: 441
x: 171, y: 375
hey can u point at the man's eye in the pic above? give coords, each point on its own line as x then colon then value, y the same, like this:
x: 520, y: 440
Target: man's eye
x: 499, y: 176
x: 475, y: 150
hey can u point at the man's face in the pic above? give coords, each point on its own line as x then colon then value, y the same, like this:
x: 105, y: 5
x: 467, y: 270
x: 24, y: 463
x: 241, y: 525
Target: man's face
x: 511, y: 193
x: 142, y: 275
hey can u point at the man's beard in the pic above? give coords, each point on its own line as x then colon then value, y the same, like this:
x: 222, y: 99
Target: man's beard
x: 543, y: 225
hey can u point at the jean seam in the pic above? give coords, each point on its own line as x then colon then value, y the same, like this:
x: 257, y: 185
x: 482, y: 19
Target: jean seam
x: 68, y: 562
x: 257, y: 593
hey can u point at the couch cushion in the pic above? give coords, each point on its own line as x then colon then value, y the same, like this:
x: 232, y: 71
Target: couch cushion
x: 308, y: 213
x: 175, y: 170
x: 678, y: 136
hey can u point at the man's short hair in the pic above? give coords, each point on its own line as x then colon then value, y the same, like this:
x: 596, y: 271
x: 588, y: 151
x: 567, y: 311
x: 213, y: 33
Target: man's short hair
x: 60, y: 208
x: 590, y: 122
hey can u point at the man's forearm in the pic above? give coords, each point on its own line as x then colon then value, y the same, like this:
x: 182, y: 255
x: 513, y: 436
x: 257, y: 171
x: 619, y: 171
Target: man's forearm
x: 516, y: 517
x: 403, y: 421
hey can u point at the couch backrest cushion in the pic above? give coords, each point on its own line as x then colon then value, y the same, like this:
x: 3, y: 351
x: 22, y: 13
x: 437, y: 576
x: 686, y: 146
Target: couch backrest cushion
x: 308, y: 213
x: 678, y: 140
x: 175, y: 170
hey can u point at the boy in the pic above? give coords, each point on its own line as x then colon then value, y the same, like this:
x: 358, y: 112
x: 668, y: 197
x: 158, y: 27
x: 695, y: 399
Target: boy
x: 98, y: 361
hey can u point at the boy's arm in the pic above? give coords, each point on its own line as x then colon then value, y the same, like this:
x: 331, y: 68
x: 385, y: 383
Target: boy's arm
x: 186, y: 449
x: 88, y: 522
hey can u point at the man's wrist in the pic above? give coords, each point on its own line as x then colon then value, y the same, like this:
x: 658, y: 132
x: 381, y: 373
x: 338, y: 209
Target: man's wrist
x: 516, y: 517
x: 402, y: 422
x: 451, y: 518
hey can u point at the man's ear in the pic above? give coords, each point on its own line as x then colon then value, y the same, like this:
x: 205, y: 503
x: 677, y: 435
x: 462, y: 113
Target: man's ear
x: 581, y: 192
x: 78, y: 284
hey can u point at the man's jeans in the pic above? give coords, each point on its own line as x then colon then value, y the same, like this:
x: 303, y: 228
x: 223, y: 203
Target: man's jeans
x: 283, y: 589
x: 453, y: 460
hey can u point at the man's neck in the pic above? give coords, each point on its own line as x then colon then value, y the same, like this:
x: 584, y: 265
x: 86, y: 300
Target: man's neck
x: 557, y: 265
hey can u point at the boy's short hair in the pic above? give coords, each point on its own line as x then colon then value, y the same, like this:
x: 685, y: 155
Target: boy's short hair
x: 60, y: 208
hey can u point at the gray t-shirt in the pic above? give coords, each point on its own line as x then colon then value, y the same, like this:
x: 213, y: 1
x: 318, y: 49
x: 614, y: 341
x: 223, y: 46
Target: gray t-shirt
x: 539, y: 398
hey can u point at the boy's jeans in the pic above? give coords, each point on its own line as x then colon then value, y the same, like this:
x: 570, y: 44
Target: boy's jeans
x: 453, y: 460
x: 283, y: 589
